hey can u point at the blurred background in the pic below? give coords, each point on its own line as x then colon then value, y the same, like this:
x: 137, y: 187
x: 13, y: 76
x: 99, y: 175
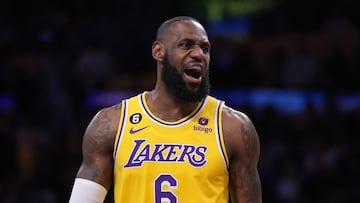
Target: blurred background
x: 293, y: 66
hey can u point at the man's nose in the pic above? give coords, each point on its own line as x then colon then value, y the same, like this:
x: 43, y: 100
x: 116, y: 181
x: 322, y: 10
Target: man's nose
x: 197, y: 51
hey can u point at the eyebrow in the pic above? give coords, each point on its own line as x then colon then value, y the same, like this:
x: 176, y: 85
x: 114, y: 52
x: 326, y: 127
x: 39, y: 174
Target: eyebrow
x: 202, y: 42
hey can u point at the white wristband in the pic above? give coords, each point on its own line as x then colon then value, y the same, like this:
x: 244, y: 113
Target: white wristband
x: 87, y: 191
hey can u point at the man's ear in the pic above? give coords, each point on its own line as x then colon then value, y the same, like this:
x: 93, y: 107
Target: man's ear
x: 158, y: 51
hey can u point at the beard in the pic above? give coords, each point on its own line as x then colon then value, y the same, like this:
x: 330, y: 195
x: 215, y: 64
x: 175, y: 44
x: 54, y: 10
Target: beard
x: 176, y: 86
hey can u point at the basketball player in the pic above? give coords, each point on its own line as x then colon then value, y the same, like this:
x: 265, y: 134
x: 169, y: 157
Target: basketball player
x: 174, y: 143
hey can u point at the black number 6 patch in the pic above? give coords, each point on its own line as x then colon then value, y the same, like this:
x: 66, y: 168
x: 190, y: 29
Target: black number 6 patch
x: 135, y: 118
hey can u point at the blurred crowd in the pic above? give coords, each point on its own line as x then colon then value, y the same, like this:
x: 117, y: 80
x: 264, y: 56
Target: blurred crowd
x: 52, y: 56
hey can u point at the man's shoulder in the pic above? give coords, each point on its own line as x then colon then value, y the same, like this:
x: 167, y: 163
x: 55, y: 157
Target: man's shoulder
x: 112, y: 109
x: 234, y: 118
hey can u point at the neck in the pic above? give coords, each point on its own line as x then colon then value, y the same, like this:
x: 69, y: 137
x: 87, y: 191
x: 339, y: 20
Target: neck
x: 167, y: 107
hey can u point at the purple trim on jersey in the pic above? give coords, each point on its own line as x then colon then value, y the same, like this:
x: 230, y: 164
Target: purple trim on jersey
x: 172, y: 124
x: 124, y: 108
x: 218, y: 133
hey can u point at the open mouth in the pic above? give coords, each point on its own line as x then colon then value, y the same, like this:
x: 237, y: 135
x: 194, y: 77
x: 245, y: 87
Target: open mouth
x: 193, y: 75
x: 192, y: 72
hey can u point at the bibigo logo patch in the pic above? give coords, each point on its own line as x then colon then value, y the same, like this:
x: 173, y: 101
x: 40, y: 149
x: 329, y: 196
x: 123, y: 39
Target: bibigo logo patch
x: 202, y: 123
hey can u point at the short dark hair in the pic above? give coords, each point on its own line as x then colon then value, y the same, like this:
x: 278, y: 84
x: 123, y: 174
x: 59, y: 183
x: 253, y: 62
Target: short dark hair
x: 165, y: 25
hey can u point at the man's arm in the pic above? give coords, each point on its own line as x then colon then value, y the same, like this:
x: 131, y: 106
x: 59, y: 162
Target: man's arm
x: 243, y: 147
x: 96, y: 170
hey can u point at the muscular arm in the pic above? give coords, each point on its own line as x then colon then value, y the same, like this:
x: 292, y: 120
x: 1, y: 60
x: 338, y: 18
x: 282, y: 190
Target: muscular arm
x: 243, y: 147
x: 97, y: 147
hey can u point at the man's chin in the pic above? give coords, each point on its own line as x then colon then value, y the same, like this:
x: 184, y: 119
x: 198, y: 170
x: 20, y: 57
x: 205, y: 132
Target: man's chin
x: 193, y: 88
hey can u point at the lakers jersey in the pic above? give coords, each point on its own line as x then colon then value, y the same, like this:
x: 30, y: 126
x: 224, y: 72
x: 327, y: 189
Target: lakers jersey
x: 156, y: 161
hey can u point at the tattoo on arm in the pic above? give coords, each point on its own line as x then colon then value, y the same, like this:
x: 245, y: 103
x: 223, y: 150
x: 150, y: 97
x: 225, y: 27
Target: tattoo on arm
x: 246, y: 173
x: 97, y: 131
x: 97, y: 147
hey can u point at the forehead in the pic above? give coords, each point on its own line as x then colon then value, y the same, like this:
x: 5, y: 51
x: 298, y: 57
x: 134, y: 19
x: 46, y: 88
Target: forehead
x: 186, y: 30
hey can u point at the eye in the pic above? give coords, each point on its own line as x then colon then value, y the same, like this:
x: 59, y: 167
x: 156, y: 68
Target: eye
x: 186, y: 45
x: 205, y: 49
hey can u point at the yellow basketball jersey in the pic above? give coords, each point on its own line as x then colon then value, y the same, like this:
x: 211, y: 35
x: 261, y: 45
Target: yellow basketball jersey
x: 157, y: 161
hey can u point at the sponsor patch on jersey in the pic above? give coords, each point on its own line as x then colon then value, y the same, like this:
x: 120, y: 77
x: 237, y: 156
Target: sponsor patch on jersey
x: 202, y: 128
x: 202, y: 125
x: 203, y: 121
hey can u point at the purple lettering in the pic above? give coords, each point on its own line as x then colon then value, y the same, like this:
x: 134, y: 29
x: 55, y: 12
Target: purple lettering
x: 158, y: 152
x: 130, y: 162
x: 145, y: 152
x: 144, y: 155
x: 172, y: 152
x: 200, y: 152
x: 188, y: 150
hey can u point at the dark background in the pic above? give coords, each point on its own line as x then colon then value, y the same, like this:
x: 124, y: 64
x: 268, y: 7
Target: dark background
x: 292, y: 66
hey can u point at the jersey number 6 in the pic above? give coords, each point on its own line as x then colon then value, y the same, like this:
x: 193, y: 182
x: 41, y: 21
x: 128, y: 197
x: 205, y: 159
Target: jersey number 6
x: 164, y: 184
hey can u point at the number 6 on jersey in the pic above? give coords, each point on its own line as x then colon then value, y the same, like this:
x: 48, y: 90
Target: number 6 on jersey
x: 164, y: 184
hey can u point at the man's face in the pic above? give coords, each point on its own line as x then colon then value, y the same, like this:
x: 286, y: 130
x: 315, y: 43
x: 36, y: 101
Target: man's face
x: 186, y: 61
x: 178, y: 87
